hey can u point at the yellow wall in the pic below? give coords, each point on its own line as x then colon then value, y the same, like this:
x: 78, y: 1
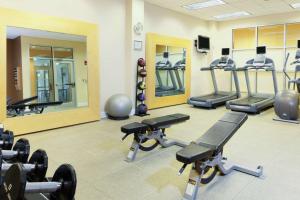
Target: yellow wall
x: 81, y: 71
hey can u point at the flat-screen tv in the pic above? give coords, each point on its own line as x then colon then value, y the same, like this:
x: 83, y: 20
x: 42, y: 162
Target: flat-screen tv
x: 261, y: 50
x: 225, y: 51
x: 298, y: 44
x: 203, y: 43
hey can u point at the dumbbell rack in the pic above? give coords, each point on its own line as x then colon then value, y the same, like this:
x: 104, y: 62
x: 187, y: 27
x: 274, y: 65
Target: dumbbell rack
x: 137, y: 91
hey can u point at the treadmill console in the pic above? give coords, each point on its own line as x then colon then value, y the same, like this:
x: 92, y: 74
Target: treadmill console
x: 260, y: 58
x: 225, y: 57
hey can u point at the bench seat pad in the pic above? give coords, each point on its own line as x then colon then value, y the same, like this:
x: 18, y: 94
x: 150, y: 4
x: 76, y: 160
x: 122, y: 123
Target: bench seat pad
x: 167, y: 120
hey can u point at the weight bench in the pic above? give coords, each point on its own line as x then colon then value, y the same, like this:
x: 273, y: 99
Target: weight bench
x: 152, y: 129
x: 206, y: 154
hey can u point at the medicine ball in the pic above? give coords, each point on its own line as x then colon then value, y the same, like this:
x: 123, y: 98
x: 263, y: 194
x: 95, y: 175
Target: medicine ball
x: 142, y: 109
x: 141, y: 85
x: 143, y: 73
x: 141, y: 62
x: 141, y: 97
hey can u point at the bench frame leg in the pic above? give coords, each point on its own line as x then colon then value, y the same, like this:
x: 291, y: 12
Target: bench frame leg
x: 157, y: 135
x: 193, y: 185
x: 132, y: 151
x: 224, y: 167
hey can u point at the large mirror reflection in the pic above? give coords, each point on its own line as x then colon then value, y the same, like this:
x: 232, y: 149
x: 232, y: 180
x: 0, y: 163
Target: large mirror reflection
x: 170, y: 71
x: 46, y: 72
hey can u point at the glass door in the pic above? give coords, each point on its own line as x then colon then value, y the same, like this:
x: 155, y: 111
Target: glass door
x: 43, y: 80
x: 65, y: 83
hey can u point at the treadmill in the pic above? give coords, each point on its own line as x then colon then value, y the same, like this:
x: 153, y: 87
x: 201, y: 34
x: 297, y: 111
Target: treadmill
x: 165, y: 65
x: 256, y: 102
x: 218, y: 98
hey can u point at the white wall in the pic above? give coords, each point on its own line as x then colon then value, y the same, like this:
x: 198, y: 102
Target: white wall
x: 111, y: 17
x: 167, y: 22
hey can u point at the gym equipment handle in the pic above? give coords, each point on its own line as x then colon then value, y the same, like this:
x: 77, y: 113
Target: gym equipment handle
x: 42, y: 187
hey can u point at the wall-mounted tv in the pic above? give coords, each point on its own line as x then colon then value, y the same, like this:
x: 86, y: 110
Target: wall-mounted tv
x: 203, y: 43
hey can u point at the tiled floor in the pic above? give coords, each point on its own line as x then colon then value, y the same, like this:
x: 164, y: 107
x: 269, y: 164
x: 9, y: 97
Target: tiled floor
x: 97, y: 153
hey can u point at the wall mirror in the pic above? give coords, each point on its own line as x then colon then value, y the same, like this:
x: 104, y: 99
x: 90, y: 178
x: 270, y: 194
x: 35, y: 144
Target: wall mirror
x: 168, y: 69
x: 46, y: 71
x: 49, y: 68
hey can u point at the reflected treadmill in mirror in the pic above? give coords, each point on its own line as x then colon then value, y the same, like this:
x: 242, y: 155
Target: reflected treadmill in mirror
x: 49, y: 70
x: 170, y: 71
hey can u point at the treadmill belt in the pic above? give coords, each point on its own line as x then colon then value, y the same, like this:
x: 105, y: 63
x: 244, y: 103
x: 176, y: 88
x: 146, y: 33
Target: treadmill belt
x: 248, y: 101
x: 208, y: 97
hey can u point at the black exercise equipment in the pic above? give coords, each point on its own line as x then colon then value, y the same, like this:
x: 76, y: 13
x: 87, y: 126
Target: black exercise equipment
x: 142, y: 109
x: 6, y: 138
x: 61, y: 187
x: 218, y: 98
x: 24, y: 107
x: 152, y: 129
x: 19, y: 153
x: 141, y: 85
x: 287, y: 102
x: 256, y: 102
x: 36, y: 168
x: 140, y: 106
x: 141, y: 97
x: 206, y: 154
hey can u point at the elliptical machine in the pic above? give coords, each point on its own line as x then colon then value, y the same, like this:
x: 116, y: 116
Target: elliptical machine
x: 287, y: 102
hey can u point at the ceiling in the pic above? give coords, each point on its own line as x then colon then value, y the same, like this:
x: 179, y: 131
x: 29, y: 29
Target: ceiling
x: 254, y: 7
x: 14, y: 32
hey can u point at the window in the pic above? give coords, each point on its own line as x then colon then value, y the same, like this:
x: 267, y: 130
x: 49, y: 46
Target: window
x: 292, y: 34
x: 244, y: 38
x: 271, y: 36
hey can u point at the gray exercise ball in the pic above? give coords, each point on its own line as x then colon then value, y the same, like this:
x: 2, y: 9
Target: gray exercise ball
x: 287, y: 105
x: 118, y: 107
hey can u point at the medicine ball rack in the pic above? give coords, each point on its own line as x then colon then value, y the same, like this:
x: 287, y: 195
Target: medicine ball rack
x: 140, y: 106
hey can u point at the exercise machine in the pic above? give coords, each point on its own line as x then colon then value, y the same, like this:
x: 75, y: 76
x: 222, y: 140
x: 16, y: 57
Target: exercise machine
x: 180, y: 69
x: 61, y: 187
x: 152, y: 129
x: 24, y: 107
x: 256, y: 102
x: 6, y: 138
x: 206, y: 154
x: 218, y: 98
x: 35, y: 169
x: 163, y: 89
x: 286, y: 104
x: 19, y: 153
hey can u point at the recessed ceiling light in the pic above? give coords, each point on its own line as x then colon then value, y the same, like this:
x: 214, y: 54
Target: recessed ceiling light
x: 295, y: 5
x: 232, y: 15
x: 199, y: 5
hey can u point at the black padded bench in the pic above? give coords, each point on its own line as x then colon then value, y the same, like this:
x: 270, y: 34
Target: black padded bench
x: 213, y: 141
x: 154, y: 123
x: 207, y: 153
x: 152, y: 129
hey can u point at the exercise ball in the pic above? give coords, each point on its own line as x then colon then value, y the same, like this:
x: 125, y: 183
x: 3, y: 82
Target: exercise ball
x: 118, y: 107
x: 287, y: 105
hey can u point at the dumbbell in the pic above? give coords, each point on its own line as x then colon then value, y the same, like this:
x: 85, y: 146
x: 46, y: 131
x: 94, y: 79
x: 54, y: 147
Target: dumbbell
x: 19, y: 153
x: 6, y: 138
x: 35, y: 169
x: 62, y: 185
